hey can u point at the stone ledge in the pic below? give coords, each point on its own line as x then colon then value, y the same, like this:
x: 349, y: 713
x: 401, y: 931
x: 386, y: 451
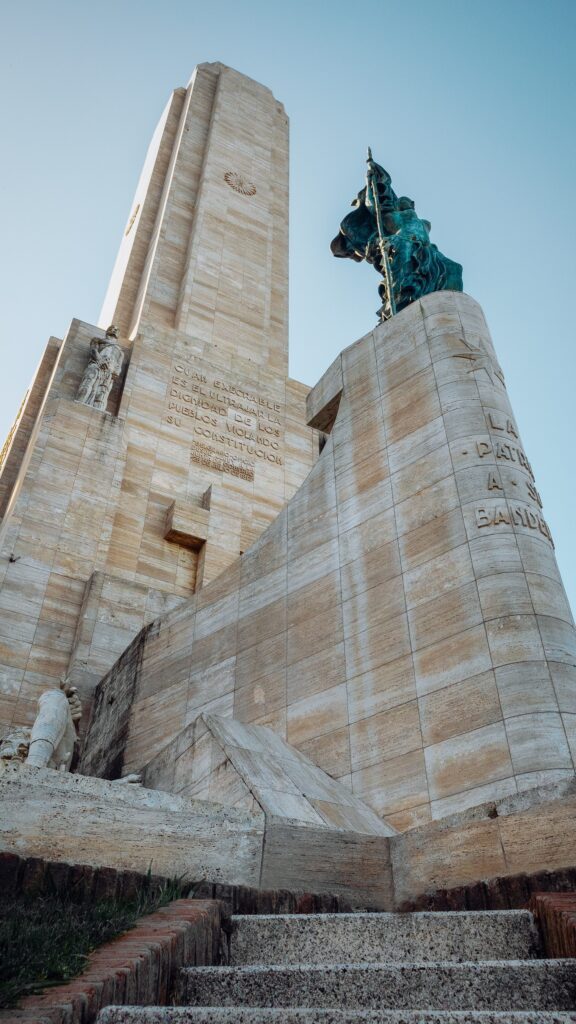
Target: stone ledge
x: 323, y: 401
x: 522, y: 835
x: 75, y: 819
x: 187, y: 525
x: 508, y: 892
x: 137, y: 968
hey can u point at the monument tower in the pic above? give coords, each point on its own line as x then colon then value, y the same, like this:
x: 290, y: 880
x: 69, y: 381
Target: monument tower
x: 295, y: 650
x: 127, y: 486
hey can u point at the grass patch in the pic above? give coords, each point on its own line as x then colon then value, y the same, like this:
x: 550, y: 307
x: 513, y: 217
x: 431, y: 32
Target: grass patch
x: 45, y: 940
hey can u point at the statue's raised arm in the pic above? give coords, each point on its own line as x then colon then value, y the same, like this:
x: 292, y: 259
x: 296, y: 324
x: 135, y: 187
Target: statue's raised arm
x: 385, y: 230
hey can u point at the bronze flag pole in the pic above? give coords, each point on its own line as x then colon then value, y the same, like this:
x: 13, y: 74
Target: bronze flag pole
x: 389, y: 305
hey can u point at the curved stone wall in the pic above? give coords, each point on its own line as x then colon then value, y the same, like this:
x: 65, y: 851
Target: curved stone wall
x: 403, y: 621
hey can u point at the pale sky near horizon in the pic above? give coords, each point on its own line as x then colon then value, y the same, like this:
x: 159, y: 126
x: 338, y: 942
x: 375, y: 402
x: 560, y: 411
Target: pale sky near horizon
x: 471, y: 107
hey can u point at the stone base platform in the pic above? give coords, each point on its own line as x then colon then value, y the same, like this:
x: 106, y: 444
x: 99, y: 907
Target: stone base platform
x: 78, y: 820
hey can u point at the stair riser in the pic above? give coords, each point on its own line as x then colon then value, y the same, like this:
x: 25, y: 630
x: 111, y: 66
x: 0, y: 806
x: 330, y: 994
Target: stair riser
x: 540, y: 985
x: 383, y: 938
x: 224, y: 1015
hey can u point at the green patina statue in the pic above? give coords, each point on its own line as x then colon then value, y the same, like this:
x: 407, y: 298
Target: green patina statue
x: 386, y: 231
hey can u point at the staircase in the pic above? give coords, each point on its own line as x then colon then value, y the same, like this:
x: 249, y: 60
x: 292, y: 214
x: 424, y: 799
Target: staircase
x: 430, y: 968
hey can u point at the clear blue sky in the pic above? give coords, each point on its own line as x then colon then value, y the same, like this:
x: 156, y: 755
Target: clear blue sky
x: 470, y: 106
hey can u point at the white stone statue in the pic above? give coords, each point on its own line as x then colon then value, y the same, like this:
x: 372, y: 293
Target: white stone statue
x: 105, y: 364
x: 50, y: 741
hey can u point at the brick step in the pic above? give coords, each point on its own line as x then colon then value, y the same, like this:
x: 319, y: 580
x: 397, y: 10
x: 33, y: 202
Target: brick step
x: 497, y: 985
x: 386, y: 938
x: 251, y: 1015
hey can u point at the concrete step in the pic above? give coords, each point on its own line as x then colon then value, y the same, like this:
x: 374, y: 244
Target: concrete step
x: 389, y: 938
x: 248, y: 1015
x: 498, y: 985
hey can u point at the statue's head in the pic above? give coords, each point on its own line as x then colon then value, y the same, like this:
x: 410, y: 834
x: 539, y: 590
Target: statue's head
x: 112, y: 331
x: 14, y: 746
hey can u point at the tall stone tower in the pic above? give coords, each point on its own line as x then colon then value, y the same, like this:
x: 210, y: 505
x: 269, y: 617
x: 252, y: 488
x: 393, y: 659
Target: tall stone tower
x: 113, y: 515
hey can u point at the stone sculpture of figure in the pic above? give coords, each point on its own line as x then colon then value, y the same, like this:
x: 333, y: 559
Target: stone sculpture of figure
x: 104, y: 365
x: 50, y: 741
x: 53, y: 734
x: 386, y: 231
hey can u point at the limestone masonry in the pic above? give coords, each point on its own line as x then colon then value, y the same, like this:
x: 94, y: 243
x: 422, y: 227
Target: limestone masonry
x: 301, y: 652
x: 402, y: 622
x: 113, y: 517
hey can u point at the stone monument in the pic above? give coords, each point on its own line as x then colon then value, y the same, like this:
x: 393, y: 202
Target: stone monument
x: 402, y: 621
x: 346, y: 671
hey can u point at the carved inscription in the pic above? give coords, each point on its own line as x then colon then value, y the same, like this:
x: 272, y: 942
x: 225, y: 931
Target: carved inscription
x: 515, y: 502
x: 505, y: 451
x: 494, y: 484
x: 202, y: 455
x: 245, y: 423
x: 533, y: 493
x: 511, y: 456
x: 513, y: 515
x: 502, y: 423
x: 132, y: 219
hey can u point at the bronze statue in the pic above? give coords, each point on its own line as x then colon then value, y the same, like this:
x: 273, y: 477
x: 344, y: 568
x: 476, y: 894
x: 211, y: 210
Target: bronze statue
x: 385, y: 230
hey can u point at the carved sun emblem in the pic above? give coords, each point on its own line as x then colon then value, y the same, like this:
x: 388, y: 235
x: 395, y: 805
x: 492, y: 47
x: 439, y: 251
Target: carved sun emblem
x: 239, y: 184
x: 481, y: 359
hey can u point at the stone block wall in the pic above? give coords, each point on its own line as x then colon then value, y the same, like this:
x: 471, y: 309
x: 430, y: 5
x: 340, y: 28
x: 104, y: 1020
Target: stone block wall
x: 403, y: 620
x: 17, y: 442
x: 520, y: 836
x: 62, y: 832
